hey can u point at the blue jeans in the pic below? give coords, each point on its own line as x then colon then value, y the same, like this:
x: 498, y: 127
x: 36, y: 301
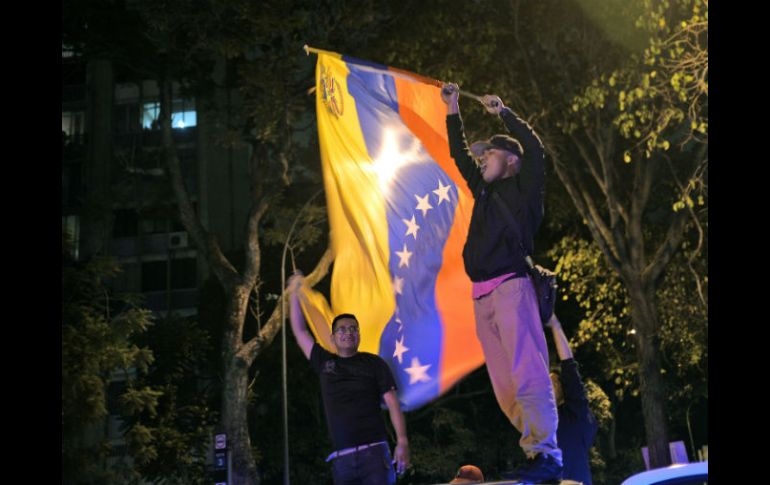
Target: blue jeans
x: 371, y: 466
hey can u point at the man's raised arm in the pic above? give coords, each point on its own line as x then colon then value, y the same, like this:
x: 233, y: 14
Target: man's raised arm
x: 303, y: 336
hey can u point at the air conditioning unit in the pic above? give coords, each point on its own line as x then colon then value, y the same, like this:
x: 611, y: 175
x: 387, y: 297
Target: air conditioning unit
x: 177, y: 240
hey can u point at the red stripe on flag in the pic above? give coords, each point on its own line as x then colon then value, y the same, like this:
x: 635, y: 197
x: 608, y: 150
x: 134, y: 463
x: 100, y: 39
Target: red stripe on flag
x: 424, y: 113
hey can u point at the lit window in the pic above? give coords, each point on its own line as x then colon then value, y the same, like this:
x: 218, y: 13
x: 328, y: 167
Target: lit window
x: 183, y: 115
x: 67, y: 51
x: 150, y: 114
x: 183, y: 119
x: 70, y: 226
x: 72, y: 123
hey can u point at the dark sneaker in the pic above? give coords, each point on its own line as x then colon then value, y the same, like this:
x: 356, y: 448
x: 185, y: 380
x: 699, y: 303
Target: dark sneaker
x: 543, y: 469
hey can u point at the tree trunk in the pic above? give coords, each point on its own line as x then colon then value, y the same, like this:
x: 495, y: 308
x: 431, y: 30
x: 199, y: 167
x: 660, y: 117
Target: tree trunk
x: 234, y: 407
x: 96, y: 221
x: 645, y: 323
x: 243, y: 469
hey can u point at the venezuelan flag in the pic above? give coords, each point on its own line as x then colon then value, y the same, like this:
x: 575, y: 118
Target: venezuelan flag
x: 399, y: 212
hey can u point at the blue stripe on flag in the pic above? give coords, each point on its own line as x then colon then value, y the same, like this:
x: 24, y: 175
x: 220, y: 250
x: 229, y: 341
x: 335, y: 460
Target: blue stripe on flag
x: 416, y: 325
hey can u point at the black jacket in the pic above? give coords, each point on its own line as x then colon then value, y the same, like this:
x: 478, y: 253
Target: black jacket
x: 492, y: 248
x: 577, y: 425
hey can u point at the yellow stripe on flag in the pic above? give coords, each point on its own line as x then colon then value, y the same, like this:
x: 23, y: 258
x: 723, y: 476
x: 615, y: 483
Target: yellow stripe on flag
x: 359, y: 234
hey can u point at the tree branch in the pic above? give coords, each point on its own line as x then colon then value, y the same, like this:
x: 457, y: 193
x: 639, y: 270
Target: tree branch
x: 634, y: 232
x: 666, y: 250
x: 697, y: 175
x: 253, y: 253
x: 674, y: 235
x: 205, y: 242
x: 579, y: 200
x: 589, y: 162
x: 608, y: 169
x: 268, y: 332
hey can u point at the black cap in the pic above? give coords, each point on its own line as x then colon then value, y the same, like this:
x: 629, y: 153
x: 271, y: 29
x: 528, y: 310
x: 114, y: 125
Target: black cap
x: 502, y: 142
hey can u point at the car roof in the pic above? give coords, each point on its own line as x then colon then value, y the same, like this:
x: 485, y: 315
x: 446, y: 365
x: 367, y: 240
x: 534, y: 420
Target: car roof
x: 670, y: 475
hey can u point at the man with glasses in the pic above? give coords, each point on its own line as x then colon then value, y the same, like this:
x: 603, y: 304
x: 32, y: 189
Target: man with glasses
x: 352, y: 384
x: 508, y: 181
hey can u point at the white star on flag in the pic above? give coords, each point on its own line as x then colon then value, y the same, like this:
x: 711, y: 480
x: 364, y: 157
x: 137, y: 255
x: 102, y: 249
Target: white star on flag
x: 442, y: 192
x: 400, y: 349
x: 423, y: 204
x: 398, y: 285
x: 413, y: 227
x: 404, y: 257
x: 417, y: 372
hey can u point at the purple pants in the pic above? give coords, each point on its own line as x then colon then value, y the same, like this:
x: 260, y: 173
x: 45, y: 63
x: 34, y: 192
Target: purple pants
x: 511, y: 335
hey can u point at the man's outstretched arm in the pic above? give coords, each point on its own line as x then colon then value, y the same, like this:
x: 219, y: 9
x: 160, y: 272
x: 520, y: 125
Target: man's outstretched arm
x: 458, y: 146
x: 303, y: 336
x: 562, y: 344
x: 533, y: 165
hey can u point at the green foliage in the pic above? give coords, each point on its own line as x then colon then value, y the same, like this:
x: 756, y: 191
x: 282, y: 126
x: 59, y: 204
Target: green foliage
x: 659, y: 98
x: 683, y: 311
x: 605, y: 332
x: 169, y: 430
x: 585, y: 278
x: 140, y: 400
x: 628, y: 461
x: 438, y: 453
x: 616, y: 19
x: 310, y: 229
x: 599, y: 403
x: 96, y: 341
x: 641, y: 132
x: 166, y: 412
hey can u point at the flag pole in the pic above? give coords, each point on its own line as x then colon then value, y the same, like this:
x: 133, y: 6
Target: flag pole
x: 283, y: 343
x: 400, y: 73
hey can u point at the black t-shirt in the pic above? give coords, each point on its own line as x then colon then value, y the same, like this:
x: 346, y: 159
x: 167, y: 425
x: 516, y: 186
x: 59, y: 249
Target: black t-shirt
x: 352, y: 388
